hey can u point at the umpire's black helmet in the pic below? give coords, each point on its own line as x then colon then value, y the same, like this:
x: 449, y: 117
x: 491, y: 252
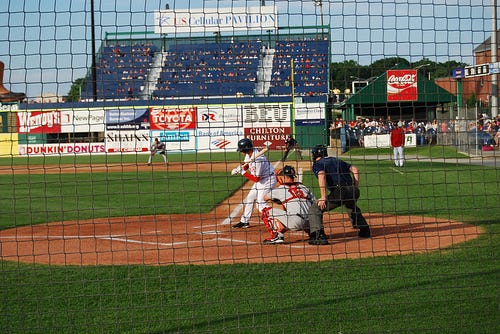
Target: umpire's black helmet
x: 245, y: 144
x: 288, y: 171
x: 319, y: 151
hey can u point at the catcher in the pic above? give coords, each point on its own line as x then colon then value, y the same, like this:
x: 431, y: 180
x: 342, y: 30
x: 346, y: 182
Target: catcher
x: 296, y: 200
x: 158, y: 148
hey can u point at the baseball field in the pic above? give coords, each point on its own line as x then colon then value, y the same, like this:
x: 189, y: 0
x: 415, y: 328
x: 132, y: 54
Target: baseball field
x: 108, y: 244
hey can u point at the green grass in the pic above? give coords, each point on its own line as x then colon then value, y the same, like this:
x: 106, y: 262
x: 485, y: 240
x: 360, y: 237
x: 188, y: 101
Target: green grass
x: 449, y: 291
x: 427, y: 151
x: 128, y: 158
x: 34, y: 199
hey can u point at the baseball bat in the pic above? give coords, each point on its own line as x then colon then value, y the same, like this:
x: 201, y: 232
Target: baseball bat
x: 254, y: 155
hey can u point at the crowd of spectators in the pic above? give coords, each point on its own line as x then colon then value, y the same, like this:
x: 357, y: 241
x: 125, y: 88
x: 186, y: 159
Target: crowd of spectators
x: 208, y: 69
x: 121, y: 71
x: 484, y: 130
x: 310, y: 67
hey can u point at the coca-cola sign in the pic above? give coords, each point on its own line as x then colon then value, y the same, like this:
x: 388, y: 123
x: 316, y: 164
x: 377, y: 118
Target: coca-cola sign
x: 402, y: 85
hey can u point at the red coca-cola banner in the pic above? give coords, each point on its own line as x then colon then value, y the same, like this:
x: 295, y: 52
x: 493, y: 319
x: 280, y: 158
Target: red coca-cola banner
x: 402, y: 85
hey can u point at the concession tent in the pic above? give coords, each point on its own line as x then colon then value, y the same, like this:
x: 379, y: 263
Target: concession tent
x: 389, y: 95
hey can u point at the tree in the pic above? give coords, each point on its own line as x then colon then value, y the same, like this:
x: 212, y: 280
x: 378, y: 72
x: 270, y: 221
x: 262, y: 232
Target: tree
x: 343, y: 74
x: 382, y: 65
x: 75, y: 92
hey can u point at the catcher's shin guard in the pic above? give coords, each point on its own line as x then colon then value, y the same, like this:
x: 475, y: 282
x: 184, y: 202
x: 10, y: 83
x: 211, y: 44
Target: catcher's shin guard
x: 272, y: 224
x: 266, y: 219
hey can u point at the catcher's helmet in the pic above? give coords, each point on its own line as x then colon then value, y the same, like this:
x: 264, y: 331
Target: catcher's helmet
x: 244, y: 144
x: 319, y: 151
x: 288, y: 171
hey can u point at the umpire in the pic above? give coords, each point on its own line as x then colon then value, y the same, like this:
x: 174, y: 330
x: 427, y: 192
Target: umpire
x: 341, y: 180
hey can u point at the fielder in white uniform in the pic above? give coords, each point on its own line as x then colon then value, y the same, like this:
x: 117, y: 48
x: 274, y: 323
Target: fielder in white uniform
x: 158, y: 148
x: 261, y: 172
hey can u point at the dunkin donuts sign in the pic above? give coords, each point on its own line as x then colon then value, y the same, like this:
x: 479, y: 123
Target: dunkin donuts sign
x: 402, y: 85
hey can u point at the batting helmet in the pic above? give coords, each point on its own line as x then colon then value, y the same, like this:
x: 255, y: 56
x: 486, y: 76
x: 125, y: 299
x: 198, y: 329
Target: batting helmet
x: 319, y: 151
x: 244, y: 144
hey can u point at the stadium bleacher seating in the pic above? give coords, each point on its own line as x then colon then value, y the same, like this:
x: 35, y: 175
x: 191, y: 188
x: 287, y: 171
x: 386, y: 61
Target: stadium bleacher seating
x: 310, y: 68
x: 210, y: 69
x: 121, y: 71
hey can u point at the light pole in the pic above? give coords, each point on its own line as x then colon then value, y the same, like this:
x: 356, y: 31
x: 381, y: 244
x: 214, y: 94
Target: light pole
x: 319, y: 3
x: 94, y: 70
x: 163, y: 35
x: 428, y: 72
x: 494, y: 59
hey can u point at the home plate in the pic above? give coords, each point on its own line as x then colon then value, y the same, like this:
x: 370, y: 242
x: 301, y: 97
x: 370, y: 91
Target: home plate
x: 209, y: 232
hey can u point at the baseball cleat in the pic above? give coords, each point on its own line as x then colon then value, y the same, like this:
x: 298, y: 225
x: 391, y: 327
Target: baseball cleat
x: 364, y: 232
x: 318, y: 238
x: 241, y: 225
x: 273, y: 241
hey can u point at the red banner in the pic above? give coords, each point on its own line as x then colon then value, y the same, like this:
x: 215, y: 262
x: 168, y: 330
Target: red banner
x: 172, y: 119
x: 274, y: 136
x: 402, y: 85
x: 40, y: 122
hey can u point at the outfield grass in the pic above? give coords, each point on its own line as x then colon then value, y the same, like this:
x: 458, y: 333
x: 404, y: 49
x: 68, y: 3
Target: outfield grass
x: 427, y: 151
x: 128, y: 158
x: 449, y: 291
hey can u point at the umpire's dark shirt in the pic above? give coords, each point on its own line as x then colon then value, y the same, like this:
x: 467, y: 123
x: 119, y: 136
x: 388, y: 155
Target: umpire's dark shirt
x: 337, y: 171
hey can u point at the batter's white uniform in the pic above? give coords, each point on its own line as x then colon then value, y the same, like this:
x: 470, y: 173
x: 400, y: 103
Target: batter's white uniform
x: 296, y: 200
x: 262, y: 168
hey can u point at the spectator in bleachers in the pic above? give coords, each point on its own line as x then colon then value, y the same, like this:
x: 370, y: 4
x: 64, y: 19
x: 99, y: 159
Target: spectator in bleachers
x: 495, y: 132
x: 420, y: 133
x: 430, y: 131
x: 445, y: 132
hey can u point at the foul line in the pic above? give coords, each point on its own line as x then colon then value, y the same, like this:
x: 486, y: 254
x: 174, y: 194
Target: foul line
x: 396, y: 170
x: 171, y: 244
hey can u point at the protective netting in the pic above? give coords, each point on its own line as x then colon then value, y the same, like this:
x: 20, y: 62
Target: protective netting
x: 249, y: 166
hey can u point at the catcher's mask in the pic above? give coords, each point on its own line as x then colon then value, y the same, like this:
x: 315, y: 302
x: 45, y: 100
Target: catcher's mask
x: 285, y: 171
x: 288, y: 171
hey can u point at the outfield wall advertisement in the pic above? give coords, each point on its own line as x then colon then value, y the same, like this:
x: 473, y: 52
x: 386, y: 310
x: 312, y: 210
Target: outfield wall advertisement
x: 384, y: 141
x: 61, y: 149
x: 184, y: 128
x: 60, y: 121
x: 267, y: 124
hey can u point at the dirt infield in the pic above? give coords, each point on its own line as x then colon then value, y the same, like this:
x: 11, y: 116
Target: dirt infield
x: 206, y: 239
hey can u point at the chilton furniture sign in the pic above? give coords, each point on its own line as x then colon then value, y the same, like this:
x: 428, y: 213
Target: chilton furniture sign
x: 215, y: 19
x: 402, y: 85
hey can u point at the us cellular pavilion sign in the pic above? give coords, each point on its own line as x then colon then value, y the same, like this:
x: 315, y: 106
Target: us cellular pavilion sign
x: 215, y: 19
